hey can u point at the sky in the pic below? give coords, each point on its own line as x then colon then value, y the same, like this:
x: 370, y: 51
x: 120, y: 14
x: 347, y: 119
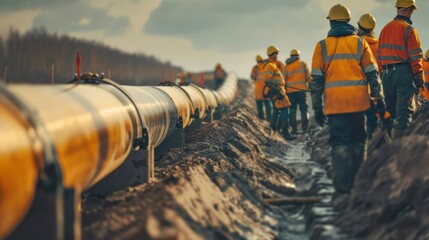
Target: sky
x: 197, y: 34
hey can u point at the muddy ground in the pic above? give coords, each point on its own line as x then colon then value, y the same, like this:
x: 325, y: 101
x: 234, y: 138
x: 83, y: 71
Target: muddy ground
x: 215, y: 188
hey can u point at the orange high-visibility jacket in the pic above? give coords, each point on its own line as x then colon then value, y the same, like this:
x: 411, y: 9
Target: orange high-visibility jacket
x: 258, y: 77
x: 425, y: 93
x: 400, y: 42
x: 343, y: 62
x: 272, y: 73
x: 297, y: 76
x: 280, y: 65
x: 219, y: 73
x: 373, y: 45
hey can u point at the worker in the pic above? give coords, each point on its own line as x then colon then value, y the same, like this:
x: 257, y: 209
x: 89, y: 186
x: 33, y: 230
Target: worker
x: 366, y: 26
x: 342, y: 68
x: 258, y: 77
x: 425, y: 92
x: 219, y: 75
x: 275, y: 89
x: 297, y: 77
x: 400, y: 53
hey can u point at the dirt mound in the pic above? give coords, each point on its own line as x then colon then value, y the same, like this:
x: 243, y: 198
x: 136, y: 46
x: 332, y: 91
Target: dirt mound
x: 212, y: 189
x: 390, y: 199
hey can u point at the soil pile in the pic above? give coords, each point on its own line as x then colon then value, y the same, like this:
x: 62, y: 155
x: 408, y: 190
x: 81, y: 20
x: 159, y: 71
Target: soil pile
x: 390, y: 198
x: 212, y: 189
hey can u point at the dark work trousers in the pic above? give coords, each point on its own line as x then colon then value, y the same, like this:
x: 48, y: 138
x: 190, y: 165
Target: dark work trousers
x: 348, y: 148
x: 279, y: 120
x: 268, y: 109
x: 371, y: 120
x: 399, y: 90
x: 346, y: 129
x: 298, y: 99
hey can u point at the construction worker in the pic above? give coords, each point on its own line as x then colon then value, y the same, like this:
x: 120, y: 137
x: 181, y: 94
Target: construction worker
x: 425, y: 92
x: 342, y: 68
x: 275, y: 89
x: 258, y: 78
x: 400, y: 54
x: 219, y: 75
x: 366, y: 25
x: 297, y: 77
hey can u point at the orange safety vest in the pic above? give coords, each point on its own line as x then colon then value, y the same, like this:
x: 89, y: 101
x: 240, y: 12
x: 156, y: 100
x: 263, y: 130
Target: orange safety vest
x: 219, y: 73
x: 272, y: 73
x: 425, y: 93
x: 400, y: 42
x: 373, y: 45
x: 296, y: 76
x: 343, y: 62
x: 258, y: 77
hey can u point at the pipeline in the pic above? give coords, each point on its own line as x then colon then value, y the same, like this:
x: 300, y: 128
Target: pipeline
x: 56, y: 138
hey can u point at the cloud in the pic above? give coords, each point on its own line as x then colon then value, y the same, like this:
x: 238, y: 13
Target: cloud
x: 6, y: 5
x: 224, y: 25
x: 80, y: 17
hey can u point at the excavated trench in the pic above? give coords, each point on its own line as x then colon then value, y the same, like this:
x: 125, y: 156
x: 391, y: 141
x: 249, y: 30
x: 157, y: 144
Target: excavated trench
x: 219, y: 186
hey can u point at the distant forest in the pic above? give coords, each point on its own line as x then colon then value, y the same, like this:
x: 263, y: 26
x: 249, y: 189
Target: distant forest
x: 29, y: 57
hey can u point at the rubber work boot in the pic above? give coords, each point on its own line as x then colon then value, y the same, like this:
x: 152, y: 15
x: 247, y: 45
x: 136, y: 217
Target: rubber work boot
x: 285, y: 131
x: 358, y: 157
x: 397, y: 133
x: 341, y: 169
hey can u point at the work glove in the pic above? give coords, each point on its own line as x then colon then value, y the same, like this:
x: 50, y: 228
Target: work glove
x: 380, y: 107
x: 320, y: 118
x: 419, y: 80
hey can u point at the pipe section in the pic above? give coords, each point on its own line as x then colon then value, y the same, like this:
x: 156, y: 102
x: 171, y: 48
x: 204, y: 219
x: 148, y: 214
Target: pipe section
x: 92, y: 128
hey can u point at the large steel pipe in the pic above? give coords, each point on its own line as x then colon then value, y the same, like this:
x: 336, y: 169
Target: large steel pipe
x: 91, y: 126
x: 158, y: 111
x: 91, y: 129
x: 182, y: 101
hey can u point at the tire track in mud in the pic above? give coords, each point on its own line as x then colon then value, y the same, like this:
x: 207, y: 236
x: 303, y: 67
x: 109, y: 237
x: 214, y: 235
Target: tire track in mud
x: 308, y: 221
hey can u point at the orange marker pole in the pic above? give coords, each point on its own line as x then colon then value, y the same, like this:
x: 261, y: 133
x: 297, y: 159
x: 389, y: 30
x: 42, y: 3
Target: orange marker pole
x: 202, y: 79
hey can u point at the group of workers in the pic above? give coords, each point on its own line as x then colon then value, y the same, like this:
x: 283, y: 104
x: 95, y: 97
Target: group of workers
x: 345, y: 71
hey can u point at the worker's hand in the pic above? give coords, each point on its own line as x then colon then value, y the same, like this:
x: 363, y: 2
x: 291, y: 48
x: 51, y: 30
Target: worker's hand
x: 380, y: 107
x: 320, y: 118
x: 419, y: 80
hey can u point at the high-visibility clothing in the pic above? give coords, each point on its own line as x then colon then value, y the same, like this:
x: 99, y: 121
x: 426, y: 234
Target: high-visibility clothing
x: 373, y: 45
x: 400, y: 42
x: 280, y: 65
x: 343, y: 63
x: 297, y: 76
x: 272, y: 74
x: 219, y: 73
x: 425, y: 93
x: 258, y: 77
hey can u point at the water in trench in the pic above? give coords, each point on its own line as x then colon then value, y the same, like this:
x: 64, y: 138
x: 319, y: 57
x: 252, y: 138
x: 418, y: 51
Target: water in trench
x: 315, y: 220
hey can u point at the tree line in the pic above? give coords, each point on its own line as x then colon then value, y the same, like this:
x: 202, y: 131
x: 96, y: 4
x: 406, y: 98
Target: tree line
x: 33, y: 57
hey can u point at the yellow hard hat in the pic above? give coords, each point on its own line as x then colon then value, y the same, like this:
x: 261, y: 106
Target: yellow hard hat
x: 259, y: 58
x: 406, y: 4
x: 427, y: 54
x: 272, y: 49
x: 295, y: 52
x: 339, y: 13
x: 367, y: 22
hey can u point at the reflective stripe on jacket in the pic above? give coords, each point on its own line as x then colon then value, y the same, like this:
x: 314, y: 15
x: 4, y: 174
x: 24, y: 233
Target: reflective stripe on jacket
x: 297, y: 76
x: 343, y: 62
x: 425, y: 93
x: 272, y: 73
x: 400, y: 42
